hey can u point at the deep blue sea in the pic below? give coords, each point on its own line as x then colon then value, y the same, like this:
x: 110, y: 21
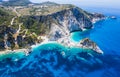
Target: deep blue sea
x: 48, y: 60
x: 105, y: 33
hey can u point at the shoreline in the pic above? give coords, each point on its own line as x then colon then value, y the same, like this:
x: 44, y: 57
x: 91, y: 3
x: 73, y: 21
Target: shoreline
x: 68, y: 43
x: 14, y: 51
x: 13, y: 55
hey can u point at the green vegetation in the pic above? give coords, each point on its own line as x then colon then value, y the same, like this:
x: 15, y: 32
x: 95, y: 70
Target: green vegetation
x: 16, y: 3
x: 48, y: 3
x: 34, y: 25
x: 5, y: 28
x: 37, y: 19
x: 5, y: 17
x: 42, y: 9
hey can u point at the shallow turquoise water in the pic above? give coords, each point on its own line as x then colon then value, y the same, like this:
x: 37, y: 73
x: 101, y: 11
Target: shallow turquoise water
x: 60, y: 48
x: 13, y: 55
x: 77, y: 36
x: 47, y: 61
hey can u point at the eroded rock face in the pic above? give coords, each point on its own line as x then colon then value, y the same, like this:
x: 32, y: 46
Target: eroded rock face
x: 71, y: 20
x: 87, y: 43
x: 61, y: 23
x: 55, y: 26
x: 68, y: 21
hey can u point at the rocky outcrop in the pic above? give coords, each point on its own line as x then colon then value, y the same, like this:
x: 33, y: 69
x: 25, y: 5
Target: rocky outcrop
x: 87, y: 43
x: 96, y: 17
x: 61, y: 23
x: 56, y: 26
x: 71, y: 20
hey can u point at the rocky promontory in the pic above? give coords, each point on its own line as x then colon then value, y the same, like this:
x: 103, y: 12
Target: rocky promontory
x: 22, y: 29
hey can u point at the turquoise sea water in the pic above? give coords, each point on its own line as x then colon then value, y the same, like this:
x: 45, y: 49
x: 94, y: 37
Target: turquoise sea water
x: 105, y: 33
x: 13, y: 55
x: 77, y: 36
x: 48, y: 60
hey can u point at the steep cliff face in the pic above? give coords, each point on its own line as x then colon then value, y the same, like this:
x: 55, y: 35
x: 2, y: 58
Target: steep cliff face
x: 55, y: 25
x: 61, y: 23
x: 68, y: 21
x: 74, y: 19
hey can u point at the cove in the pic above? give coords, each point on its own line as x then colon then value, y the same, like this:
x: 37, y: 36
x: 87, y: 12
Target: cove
x: 105, y: 33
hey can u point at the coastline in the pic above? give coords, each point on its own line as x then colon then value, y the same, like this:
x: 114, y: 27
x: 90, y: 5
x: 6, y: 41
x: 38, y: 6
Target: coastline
x: 13, y: 55
x: 67, y: 42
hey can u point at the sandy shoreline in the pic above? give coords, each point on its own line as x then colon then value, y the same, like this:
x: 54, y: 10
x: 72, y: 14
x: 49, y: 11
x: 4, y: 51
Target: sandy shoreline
x: 26, y: 51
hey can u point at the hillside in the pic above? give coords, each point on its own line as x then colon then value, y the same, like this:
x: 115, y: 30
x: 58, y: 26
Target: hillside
x: 16, y: 3
x: 48, y: 3
x: 5, y: 16
x: 41, y: 9
x: 23, y: 26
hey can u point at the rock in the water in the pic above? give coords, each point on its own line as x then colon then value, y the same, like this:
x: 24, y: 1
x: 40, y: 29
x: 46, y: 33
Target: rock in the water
x: 87, y: 43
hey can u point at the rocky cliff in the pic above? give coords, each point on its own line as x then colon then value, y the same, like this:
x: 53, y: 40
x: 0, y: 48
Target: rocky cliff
x: 62, y: 23
x: 69, y: 20
x: 25, y: 30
